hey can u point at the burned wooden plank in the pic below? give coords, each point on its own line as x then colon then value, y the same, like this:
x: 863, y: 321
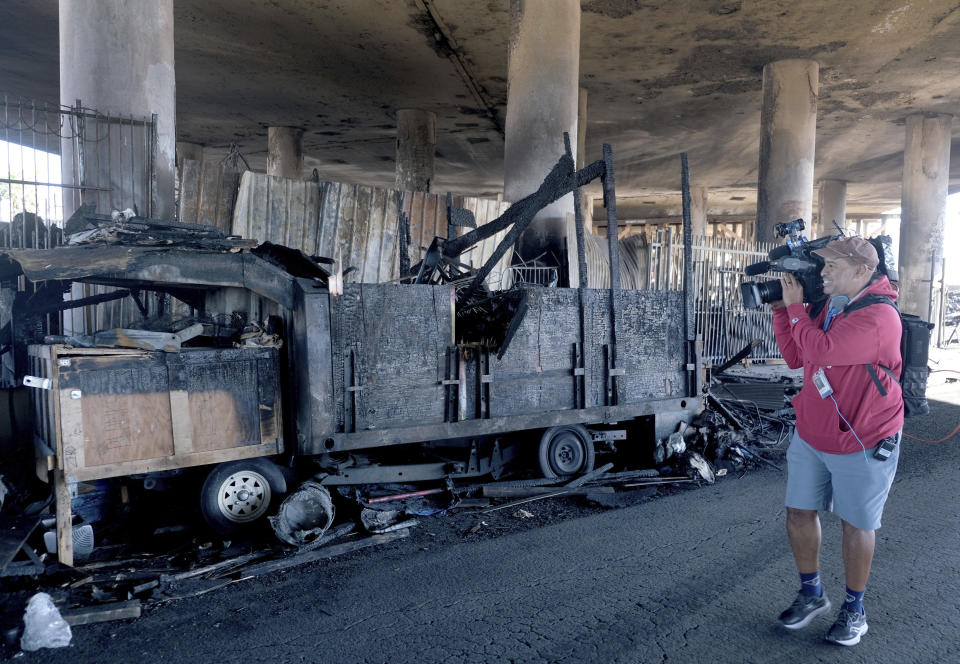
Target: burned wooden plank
x: 14, y: 532
x: 588, y: 477
x: 322, y: 553
x: 89, y: 615
x: 540, y: 491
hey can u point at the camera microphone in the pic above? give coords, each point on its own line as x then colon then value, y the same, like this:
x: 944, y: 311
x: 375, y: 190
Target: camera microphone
x: 779, y: 252
x: 757, y: 268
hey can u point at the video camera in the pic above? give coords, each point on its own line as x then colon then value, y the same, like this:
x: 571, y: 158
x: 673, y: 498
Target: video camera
x: 795, y: 257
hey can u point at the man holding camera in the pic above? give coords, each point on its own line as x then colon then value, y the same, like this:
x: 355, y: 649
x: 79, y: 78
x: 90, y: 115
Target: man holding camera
x: 843, y: 454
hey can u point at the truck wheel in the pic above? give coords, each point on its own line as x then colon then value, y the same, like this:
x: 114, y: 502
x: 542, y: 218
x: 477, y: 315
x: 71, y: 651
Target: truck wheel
x: 238, y: 494
x: 566, y: 451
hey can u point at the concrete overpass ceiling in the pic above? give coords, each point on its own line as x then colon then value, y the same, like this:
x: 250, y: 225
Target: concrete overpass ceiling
x: 663, y: 77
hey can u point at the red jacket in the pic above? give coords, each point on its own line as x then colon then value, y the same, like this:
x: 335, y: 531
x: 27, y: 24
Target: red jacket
x: 870, y: 335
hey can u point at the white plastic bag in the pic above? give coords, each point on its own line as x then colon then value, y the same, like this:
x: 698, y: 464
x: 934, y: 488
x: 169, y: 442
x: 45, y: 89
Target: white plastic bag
x: 44, y: 627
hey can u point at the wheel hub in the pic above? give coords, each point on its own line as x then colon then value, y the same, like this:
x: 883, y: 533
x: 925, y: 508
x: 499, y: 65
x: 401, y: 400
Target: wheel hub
x: 568, y: 454
x: 244, y: 496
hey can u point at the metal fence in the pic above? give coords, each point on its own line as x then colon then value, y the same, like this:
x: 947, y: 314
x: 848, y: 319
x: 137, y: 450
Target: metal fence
x: 54, y: 158
x: 723, y: 324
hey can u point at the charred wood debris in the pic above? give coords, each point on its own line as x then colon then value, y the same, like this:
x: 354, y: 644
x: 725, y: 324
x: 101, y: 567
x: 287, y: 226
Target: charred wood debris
x: 745, y: 424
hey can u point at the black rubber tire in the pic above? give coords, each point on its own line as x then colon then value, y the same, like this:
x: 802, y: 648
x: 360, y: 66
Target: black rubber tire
x: 566, y: 451
x: 266, y: 481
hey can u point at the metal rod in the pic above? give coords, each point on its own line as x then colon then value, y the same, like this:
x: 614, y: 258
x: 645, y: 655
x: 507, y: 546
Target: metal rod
x: 610, y: 203
x: 688, y: 323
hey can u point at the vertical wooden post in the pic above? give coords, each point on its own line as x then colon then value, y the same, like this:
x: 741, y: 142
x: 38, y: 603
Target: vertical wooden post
x: 64, y: 518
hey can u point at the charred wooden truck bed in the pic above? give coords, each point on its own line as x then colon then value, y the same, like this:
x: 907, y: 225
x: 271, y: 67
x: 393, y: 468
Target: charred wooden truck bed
x: 379, y: 366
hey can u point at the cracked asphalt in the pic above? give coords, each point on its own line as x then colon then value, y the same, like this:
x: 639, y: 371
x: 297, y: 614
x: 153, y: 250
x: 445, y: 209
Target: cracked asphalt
x: 697, y: 575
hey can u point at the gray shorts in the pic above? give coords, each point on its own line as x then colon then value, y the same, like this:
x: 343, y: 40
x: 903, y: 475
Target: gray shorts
x: 849, y: 485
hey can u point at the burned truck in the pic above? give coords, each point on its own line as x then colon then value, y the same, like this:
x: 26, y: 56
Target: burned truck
x: 432, y: 378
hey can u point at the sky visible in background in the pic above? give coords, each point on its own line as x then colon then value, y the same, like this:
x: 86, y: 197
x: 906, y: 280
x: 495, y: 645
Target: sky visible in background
x: 26, y: 164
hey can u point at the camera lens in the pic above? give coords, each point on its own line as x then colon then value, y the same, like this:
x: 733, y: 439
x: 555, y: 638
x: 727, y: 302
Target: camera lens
x: 755, y: 293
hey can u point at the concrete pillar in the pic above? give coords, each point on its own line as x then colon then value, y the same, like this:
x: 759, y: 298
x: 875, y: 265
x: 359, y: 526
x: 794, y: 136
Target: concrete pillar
x: 698, y: 211
x: 788, y: 119
x: 926, y: 172
x: 285, y: 152
x: 116, y: 56
x: 542, y: 100
x: 832, y: 206
x: 581, y: 147
x: 586, y: 199
x: 416, y: 147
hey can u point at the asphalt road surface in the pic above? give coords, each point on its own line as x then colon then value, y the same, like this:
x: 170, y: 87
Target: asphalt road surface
x: 698, y: 575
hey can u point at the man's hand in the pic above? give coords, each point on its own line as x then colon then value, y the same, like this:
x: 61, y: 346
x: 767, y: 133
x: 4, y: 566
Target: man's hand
x: 792, y: 290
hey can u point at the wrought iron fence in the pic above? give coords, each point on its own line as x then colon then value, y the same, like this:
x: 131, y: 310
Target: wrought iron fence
x: 54, y: 158
x: 723, y: 324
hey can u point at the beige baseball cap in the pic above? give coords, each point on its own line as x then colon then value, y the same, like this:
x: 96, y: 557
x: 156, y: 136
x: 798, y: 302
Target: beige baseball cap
x: 854, y: 248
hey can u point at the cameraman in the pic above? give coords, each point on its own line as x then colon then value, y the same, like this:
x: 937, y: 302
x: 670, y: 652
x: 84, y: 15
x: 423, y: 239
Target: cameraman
x: 831, y: 462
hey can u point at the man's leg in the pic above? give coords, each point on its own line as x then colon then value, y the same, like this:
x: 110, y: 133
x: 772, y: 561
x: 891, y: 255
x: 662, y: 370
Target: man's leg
x: 858, y: 546
x: 860, y: 490
x: 803, y: 528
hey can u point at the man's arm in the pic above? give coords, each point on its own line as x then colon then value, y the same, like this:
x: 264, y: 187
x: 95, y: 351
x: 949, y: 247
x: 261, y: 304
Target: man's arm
x: 781, y: 328
x: 853, y: 339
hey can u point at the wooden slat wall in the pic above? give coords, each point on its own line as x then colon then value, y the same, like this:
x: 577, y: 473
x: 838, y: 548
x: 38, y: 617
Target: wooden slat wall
x: 356, y: 224
x: 208, y: 192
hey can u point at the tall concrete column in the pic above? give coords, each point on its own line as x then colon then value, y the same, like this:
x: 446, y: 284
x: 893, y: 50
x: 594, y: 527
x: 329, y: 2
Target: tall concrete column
x: 116, y: 56
x: 581, y: 146
x: 832, y: 206
x: 542, y: 99
x: 698, y: 211
x: 586, y: 200
x: 926, y: 172
x: 788, y: 119
x: 285, y: 152
x: 416, y: 147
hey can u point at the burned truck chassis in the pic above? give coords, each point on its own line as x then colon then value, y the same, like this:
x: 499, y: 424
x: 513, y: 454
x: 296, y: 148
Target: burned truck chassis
x: 380, y: 368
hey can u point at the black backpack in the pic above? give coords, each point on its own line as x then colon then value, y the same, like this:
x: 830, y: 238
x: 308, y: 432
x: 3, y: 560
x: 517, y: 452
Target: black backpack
x: 914, y: 352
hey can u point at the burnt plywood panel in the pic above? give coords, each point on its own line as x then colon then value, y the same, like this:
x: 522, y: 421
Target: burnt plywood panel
x: 223, y: 404
x: 124, y: 406
x: 121, y: 405
x: 535, y: 374
x: 649, y: 344
x: 389, y: 355
x: 356, y: 224
x: 208, y: 193
x: 126, y: 427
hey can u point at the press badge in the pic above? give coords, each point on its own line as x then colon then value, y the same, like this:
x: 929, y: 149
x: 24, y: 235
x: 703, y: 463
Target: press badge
x: 822, y: 384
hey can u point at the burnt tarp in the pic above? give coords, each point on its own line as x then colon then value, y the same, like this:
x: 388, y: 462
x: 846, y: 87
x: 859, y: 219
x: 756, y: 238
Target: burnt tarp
x: 146, y: 267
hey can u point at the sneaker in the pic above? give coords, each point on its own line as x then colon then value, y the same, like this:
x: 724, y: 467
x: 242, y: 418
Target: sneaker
x: 804, y: 609
x: 848, y: 628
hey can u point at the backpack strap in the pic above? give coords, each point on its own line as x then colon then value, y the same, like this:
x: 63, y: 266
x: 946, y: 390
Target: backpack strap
x: 866, y: 301
x: 876, y: 379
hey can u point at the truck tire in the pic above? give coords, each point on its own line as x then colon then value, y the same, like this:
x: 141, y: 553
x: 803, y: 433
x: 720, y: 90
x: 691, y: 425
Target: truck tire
x: 566, y: 451
x: 239, y: 494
